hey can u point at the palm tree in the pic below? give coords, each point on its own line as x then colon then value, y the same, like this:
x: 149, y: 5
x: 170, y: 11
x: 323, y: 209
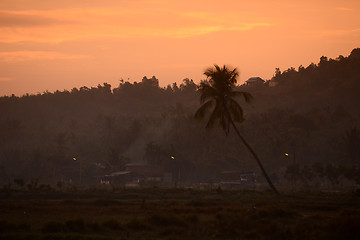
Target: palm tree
x: 217, y: 96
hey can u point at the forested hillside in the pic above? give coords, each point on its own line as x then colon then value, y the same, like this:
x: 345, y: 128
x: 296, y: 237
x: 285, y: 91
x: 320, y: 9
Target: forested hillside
x: 304, y: 124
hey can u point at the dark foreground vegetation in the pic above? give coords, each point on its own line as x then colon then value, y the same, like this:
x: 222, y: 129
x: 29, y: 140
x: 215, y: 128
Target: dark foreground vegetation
x: 179, y: 214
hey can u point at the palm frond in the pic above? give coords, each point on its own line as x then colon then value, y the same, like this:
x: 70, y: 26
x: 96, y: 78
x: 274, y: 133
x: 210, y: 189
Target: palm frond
x: 235, y: 110
x: 217, y: 67
x: 225, y: 120
x: 203, y: 110
x: 232, y: 76
x: 247, y: 96
x: 215, y: 115
x: 211, y: 71
x: 207, y: 92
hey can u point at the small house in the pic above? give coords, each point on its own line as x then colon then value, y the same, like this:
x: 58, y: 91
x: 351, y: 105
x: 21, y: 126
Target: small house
x: 254, y: 81
x: 140, y: 175
x: 236, y: 179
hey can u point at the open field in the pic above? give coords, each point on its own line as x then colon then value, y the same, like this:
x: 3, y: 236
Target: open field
x: 179, y: 214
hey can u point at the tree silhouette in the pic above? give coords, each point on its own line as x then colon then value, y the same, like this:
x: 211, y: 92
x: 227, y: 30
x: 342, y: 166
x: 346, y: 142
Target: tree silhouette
x: 217, y: 94
x: 351, y: 143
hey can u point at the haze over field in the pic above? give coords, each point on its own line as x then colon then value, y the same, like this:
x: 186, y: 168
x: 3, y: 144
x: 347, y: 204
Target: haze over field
x: 51, y: 45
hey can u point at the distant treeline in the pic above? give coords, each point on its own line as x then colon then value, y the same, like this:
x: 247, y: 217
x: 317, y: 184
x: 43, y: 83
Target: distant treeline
x: 299, y: 117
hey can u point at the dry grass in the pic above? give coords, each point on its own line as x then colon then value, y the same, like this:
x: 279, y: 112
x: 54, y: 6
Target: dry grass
x: 181, y: 214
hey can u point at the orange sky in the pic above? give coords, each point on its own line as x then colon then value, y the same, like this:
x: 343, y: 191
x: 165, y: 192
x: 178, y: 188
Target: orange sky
x: 60, y: 44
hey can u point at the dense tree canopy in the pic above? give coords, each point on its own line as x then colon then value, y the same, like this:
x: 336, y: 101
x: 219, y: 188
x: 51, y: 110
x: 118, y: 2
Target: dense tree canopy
x: 310, y: 113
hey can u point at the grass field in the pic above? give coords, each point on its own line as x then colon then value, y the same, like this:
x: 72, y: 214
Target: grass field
x: 179, y: 214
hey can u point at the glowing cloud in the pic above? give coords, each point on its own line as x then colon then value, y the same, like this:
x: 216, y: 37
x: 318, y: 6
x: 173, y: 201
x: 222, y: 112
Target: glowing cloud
x: 24, y: 19
x: 5, y: 79
x: 343, y: 9
x: 83, y: 24
x: 20, y: 56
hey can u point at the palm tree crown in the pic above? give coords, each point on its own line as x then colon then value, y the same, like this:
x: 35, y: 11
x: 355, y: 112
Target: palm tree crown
x: 217, y: 93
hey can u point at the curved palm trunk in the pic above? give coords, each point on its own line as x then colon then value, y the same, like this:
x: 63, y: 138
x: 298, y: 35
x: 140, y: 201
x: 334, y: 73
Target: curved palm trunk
x: 256, y: 158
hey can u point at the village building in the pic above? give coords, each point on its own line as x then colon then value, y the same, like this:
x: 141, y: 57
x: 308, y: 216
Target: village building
x: 235, y: 179
x: 139, y: 175
x: 254, y: 81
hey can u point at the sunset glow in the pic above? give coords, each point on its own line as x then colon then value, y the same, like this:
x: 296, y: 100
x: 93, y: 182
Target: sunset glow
x: 66, y: 44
